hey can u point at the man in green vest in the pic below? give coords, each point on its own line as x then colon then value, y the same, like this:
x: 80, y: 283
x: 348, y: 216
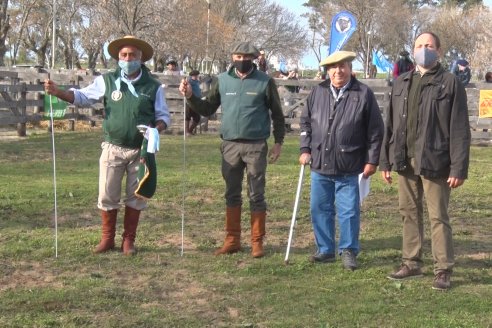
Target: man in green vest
x: 131, y: 97
x: 248, y: 98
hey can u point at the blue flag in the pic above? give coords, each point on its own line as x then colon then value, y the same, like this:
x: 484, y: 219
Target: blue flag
x: 342, y: 27
x: 381, y: 62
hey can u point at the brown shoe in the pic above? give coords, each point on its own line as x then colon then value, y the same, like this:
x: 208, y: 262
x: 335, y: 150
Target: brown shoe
x: 404, y: 272
x: 442, y: 281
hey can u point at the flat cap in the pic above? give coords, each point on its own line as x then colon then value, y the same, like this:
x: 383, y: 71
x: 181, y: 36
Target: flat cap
x: 338, y: 57
x: 115, y: 46
x: 245, y: 48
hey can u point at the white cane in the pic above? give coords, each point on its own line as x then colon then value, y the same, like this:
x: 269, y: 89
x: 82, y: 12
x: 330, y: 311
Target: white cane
x: 294, y: 213
x: 54, y: 174
x: 184, y: 176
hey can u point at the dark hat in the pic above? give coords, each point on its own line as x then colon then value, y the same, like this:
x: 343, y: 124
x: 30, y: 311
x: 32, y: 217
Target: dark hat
x: 462, y: 62
x: 245, y: 48
x: 172, y: 62
x: 338, y: 57
x: 404, y: 53
x: 129, y: 40
x: 194, y: 72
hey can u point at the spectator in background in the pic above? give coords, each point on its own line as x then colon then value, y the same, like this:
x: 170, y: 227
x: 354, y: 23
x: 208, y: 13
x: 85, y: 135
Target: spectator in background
x: 488, y: 77
x: 461, y: 68
x: 292, y: 74
x: 404, y: 64
x: 192, y: 118
x: 262, y: 62
x: 172, y: 68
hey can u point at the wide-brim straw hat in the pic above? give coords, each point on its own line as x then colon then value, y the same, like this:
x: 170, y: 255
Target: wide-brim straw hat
x: 129, y: 40
x: 338, y: 57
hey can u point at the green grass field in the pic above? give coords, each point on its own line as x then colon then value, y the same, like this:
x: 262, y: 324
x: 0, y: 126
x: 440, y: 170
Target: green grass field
x: 161, y: 288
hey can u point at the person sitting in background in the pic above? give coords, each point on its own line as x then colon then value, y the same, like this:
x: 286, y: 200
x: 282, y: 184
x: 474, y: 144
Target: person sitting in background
x: 461, y: 68
x: 172, y: 68
x: 292, y: 74
x: 192, y: 118
x: 404, y: 64
x: 488, y: 77
x: 262, y: 62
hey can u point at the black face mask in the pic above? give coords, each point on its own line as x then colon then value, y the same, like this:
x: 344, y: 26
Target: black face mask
x: 243, y: 66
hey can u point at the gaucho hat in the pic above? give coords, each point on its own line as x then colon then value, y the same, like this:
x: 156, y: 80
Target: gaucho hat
x: 338, y: 57
x: 245, y: 48
x: 129, y: 40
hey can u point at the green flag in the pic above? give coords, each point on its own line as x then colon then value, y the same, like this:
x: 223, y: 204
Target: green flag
x: 59, y: 107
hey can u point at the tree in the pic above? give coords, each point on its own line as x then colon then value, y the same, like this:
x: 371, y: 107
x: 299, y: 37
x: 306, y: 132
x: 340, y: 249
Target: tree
x: 38, y: 28
x: 4, y: 29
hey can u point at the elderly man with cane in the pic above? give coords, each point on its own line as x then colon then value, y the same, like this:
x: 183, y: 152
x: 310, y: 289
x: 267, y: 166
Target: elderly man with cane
x: 341, y: 137
x: 131, y: 98
x: 249, y: 101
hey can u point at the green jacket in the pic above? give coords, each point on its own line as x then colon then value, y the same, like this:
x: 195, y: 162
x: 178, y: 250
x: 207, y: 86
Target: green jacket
x: 245, y: 104
x: 122, y: 115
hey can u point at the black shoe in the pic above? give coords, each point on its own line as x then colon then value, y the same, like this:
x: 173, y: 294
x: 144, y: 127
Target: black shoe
x: 348, y: 260
x: 322, y: 258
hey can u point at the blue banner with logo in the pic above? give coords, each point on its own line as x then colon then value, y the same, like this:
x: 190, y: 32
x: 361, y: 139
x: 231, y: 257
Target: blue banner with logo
x: 343, y: 25
x: 381, y: 62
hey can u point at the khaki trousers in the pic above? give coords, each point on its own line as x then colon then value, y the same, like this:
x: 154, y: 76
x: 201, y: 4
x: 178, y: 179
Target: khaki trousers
x: 114, y: 163
x: 412, y: 189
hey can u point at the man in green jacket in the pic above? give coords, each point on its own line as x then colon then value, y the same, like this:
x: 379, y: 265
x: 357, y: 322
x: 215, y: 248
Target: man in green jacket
x: 131, y: 97
x: 247, y: 97
x: 427, y: 141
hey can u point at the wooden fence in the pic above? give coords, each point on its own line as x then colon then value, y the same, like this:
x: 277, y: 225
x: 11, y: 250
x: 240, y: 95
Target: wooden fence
x: 22, y: 99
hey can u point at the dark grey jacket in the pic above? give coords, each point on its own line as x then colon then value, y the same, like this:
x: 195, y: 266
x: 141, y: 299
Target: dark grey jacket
x: 341, y: 137
x: 442, y: 145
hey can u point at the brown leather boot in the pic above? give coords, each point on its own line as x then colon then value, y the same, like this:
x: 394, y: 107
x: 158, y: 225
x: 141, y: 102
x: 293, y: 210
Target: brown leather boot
x: 130, y: 230
x: 108, y: 231
x: 232, y: 242
x: 257, y: 233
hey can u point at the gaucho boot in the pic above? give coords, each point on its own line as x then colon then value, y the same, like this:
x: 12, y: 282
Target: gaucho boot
x: 130, y: 230
x: 232, y: 242
x: 108, y: 231
x: 257, y: 233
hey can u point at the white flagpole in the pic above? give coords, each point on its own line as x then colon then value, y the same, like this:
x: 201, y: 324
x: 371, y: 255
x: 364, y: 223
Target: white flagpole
x: 53, y: 42
x: 54, y: 174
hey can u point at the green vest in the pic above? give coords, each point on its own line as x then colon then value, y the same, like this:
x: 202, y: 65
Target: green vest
x: 245, y: 114
x: 121, y: 116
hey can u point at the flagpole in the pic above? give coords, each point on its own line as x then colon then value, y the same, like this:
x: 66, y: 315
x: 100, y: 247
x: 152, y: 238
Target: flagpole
x: 54, y: 174
x: 368, y: 50
x: 208, y: 31
x: 53, y: 50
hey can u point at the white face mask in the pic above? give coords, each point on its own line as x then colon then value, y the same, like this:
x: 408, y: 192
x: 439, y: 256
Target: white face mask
x: 426, y: 57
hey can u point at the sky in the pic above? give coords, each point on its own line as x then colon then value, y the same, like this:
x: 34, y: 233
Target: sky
x: 295, y: 6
